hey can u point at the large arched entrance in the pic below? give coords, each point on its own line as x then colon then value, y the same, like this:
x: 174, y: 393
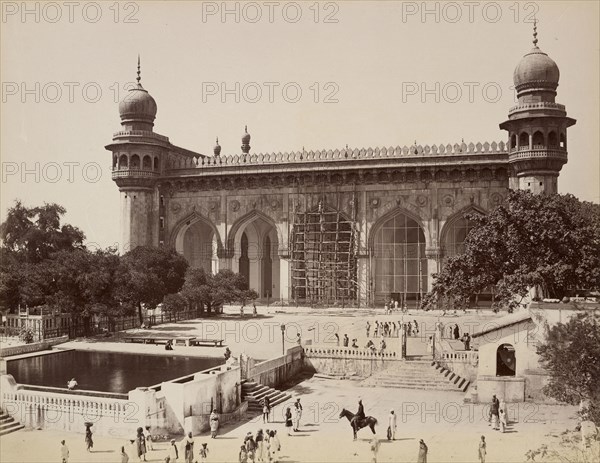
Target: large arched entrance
x: 256, y: 255
x: 197, y: 241
x: 399, y: 261
x: 506, y: 361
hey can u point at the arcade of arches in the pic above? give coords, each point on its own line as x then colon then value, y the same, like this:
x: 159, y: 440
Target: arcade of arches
x: 400, y: 268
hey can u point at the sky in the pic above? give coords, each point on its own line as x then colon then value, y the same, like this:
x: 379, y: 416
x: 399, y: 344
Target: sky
x: 318, y: 75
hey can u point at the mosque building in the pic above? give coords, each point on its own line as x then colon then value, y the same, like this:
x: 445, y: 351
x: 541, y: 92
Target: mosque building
x: 345, y: 226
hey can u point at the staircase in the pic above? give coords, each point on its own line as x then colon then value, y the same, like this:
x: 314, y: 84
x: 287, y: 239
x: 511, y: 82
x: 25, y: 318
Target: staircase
x: 254, y: 393
x: 8, y: 424
x: 418, y: 374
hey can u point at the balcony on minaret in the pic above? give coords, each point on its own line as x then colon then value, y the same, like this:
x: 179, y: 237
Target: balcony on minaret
x: 134, y: 166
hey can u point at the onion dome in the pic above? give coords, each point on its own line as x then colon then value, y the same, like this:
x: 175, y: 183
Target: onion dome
x: 138, y: 105
x: 536, y: 70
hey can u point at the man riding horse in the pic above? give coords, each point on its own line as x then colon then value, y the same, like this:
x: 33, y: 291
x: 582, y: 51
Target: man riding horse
x: 360, y: 415
x: 359, y: 420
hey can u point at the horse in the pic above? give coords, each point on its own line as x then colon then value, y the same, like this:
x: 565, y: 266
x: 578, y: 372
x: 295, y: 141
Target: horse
x: 360, y: 423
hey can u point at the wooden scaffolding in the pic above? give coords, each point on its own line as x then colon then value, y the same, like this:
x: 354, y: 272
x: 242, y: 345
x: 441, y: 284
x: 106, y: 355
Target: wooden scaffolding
x: 324, y: 247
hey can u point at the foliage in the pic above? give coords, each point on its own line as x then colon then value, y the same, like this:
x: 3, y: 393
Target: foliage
x: 212, y: 291
x: 174, y: 303
x: 571, y: 354
x: 26, y: 335
x: 567, y: 450
x: 45, y: 263
x: 147, y: 274
x: 33, y: 234
x: 546, y: 241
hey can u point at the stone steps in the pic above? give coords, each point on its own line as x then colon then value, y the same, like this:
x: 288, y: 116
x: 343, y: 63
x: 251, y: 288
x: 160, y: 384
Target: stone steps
x: 255, y: 393
x: 420, y: 374
x: 8, y: 424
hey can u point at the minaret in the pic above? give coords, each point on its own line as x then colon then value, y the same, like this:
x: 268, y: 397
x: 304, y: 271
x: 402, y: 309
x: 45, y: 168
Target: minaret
x: 138, y: 154
x: 537, y: 125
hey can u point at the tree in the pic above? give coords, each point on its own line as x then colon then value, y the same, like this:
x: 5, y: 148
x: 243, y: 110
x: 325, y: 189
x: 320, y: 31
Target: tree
x: 551, y: 242
x: 571, y: 354
x: 212, y: 291
x: 174, y: 303
x: 147, y: 274
x: 33, y: 234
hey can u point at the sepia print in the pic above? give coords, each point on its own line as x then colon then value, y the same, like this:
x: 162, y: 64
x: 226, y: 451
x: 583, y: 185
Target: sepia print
x: 300, y: 231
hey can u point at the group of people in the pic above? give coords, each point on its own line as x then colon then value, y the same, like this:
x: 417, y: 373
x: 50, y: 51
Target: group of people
x: 497, y: 417
x: 391, y: 329
x: 292, y: 421
x: 393, y: 305
x: 254, y: 310
x: 262, y: 447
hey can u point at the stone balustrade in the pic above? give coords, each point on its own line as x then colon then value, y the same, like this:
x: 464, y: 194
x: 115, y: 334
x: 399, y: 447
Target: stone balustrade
x: 525, y: 152
x: 344, y: 155
x: 140, y: 133
x: 349, y: 352
x: 137, y: 173
x: 458, y: 356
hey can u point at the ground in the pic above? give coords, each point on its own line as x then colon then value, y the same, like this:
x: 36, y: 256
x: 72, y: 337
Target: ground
x: 450, y: 428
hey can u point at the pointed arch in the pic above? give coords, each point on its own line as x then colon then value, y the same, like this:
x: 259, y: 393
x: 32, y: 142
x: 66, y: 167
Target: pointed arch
x: 253, y: 243
x: 240, y: 224
x: 397, y: 244
x: 471, y: 208
x: 182, y: 226
x: 389, y: 215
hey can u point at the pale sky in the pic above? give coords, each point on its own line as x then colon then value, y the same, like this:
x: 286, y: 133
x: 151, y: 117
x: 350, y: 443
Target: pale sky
x: 374, y: 61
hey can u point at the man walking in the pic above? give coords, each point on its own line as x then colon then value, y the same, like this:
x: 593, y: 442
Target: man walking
x: 297, y: 415
x: 482, y: 449
x: 392, y: 424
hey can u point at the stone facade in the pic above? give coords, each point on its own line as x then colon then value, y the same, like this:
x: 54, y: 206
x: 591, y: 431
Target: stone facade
x: 405, y: 206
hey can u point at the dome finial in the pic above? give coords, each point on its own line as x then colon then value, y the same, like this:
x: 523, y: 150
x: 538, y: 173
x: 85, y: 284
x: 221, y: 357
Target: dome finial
x: 217, y: 148
x: 535, y: 40
x: 138, y: 71
x: 246, y: 141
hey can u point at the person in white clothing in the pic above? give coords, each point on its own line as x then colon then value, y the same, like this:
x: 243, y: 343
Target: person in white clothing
x: 392, y: 423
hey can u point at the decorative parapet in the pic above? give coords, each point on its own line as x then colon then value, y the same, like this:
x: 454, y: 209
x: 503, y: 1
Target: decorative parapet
x: 346, y: 154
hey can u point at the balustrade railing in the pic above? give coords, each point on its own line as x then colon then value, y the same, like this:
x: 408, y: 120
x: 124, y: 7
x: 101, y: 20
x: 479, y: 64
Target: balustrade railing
x: 347, y: 154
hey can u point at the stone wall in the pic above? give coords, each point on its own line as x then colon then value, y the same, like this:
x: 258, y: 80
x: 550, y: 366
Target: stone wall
x: 33, y: 347
x: 189, y: 401
x: 279, y: 370
x: 346, y: 361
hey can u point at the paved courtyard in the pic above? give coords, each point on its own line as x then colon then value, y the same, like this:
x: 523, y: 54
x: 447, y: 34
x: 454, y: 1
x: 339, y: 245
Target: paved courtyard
x: 450, y: 428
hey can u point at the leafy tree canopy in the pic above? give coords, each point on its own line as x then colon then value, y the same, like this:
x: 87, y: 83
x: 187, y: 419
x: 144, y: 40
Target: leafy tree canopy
x: 571, y: 353
x: 547, y: 241
x: 147, y: 274
x: 33, y: 234
x: 211, y: 291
